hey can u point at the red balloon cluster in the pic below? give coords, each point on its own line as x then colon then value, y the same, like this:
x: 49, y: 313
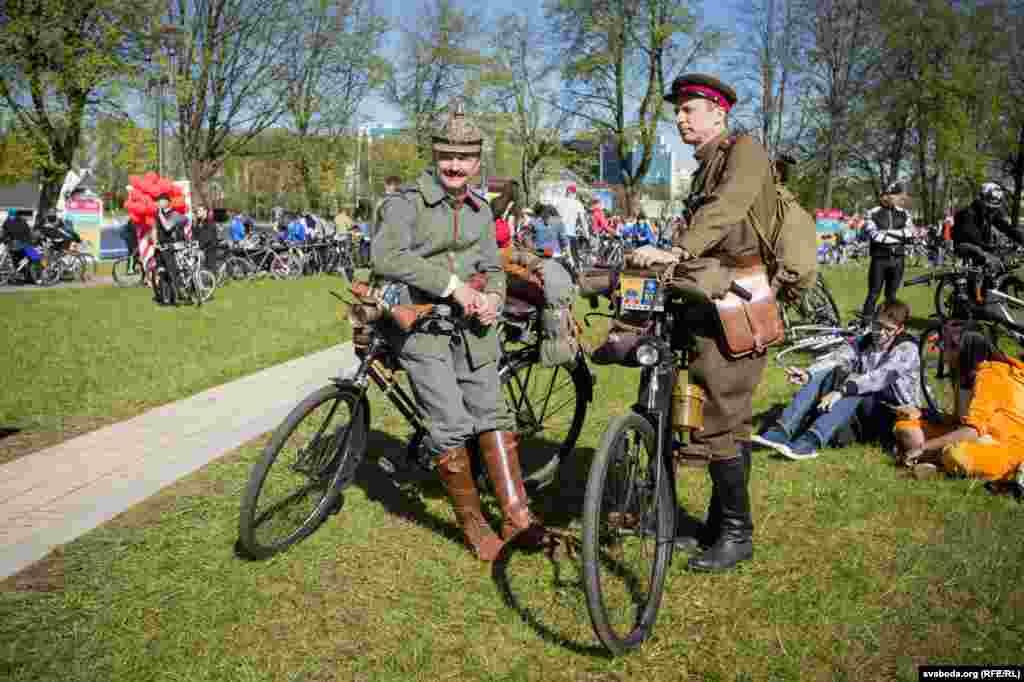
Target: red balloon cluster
x: 142, y: 194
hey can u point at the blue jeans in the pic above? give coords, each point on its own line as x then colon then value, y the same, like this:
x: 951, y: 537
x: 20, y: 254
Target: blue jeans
x: 825, y: 424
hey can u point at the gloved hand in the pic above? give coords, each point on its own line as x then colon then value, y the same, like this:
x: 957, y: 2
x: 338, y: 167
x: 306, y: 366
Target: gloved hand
x: 646, y: 256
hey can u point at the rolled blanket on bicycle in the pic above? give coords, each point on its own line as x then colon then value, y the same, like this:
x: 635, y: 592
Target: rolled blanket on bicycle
x: 560, y: 344
x: 525, y: 275
x: 596, y: 282
x: 699, y: 279
x: 373, y: 307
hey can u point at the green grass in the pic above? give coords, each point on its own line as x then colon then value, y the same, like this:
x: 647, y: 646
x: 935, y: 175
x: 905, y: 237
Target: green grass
x: 859, y: 573
x: 91, y: 354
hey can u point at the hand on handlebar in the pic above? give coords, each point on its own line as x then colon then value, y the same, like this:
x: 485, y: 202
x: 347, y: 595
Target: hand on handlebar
x: 469, y: 298
x: 488, y: 313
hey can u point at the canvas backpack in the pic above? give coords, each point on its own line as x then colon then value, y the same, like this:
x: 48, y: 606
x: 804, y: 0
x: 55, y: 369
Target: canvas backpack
x: 789, y: 243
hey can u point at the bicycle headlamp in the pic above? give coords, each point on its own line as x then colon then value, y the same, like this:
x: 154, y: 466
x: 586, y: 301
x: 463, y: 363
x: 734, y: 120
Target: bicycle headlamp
x: 647, y: 354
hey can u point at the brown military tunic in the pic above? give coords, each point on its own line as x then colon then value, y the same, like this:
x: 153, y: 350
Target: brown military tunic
x: 732, y: 181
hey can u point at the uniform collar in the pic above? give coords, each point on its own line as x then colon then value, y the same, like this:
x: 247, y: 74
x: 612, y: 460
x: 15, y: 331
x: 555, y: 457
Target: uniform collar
x: 434, y: 193
x: 708, y: 150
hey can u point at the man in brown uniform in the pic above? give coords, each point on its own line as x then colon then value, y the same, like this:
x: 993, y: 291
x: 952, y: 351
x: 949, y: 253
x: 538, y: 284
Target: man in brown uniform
x: 734, y: 178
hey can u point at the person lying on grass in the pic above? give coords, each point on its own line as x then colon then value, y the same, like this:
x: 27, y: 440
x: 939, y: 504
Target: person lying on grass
x: 986, y: 437
x: 870, y: 376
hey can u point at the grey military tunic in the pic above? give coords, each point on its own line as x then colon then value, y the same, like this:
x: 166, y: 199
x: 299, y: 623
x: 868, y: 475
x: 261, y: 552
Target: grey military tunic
x: 424, y: 238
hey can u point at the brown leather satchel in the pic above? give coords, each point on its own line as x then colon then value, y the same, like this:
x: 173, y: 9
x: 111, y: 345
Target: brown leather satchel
x: 749, y: 315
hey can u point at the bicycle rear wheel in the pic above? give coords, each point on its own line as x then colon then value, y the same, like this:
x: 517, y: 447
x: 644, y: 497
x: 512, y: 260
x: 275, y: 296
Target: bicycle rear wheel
x: 815, y: 308
x: 628, y: 528
x: 549, y: 405
x: 205, y: 283
x: 946, y: 299
x: 936, y: 382
x: 50, y: 273
x: 310, y: 460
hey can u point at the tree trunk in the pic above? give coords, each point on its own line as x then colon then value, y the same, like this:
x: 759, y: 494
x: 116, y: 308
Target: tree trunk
x: 830, y: 165
x: 525, y: 178
x: 1018, y: 179
x: 49, y: 193
x: 201, y: 175
x: 310, y: 183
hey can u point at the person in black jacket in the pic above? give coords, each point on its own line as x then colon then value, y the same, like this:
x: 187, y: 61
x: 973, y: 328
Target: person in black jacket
x: 170, y: 228
x: 16, y: 232
x: 889, y: 229
x: 59, y: 231
x: 205, y: 233
x: 975, y: 226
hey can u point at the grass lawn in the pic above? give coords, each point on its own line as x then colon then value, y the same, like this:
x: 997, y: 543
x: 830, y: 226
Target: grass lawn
x: 859, y: 573
x: 75, y: 359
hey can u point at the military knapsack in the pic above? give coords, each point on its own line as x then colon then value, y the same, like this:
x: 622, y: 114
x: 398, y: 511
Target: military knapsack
x: 789, y: 243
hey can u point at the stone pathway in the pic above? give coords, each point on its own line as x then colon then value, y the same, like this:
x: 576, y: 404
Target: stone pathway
x: 94, y: 281
x: 51, y: 497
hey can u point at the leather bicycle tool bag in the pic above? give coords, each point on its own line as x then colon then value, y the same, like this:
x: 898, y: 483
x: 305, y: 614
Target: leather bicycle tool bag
x: 619, y: 347
x: 749, y: 325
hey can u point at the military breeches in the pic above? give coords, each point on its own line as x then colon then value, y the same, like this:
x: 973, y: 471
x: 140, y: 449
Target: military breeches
x: 459, y: 401
x: 729, y: 386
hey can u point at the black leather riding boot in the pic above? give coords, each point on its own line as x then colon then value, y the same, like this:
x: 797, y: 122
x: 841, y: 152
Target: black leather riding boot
x: 735, y: 541
x: 702, y: 535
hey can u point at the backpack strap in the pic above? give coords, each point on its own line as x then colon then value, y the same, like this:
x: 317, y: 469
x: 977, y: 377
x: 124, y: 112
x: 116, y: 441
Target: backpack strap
x: 768, y: 245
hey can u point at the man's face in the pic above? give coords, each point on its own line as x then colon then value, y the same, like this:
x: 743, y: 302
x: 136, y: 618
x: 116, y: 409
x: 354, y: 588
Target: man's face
x: 164, y: 203
x: 456, y: 168
x: 887, y: 200
x: 698, y: 120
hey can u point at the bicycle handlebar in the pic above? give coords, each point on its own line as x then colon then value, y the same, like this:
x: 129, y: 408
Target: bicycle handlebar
x: 923, y: 279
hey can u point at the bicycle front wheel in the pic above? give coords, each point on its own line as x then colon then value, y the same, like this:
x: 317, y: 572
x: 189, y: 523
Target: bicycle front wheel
x: 549, y: 406
x: 628, y: 528
x: 312, y: 456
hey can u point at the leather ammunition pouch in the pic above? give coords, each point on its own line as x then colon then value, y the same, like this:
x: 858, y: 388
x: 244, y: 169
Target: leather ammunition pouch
x: 748, y: 314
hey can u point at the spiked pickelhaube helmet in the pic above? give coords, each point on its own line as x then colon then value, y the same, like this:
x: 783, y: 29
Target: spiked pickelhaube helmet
x: 459, y: 133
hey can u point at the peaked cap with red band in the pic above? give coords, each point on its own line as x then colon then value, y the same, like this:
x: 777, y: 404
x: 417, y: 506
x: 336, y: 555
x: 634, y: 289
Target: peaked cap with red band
x: 701, y: 85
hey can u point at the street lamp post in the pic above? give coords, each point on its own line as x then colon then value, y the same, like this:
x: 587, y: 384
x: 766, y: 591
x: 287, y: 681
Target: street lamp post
x: 158, y: 84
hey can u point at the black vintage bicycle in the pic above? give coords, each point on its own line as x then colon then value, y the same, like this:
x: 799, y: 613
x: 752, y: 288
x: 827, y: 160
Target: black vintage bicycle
x: 989, y: 298
x: 630, y: 503
x: 314, y: 454
x: 815, y: 308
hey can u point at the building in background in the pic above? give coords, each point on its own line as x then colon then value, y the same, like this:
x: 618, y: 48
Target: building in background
x: 659, y: 176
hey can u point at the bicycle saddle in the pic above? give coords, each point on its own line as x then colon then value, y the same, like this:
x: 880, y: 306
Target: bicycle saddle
x: 517, y: 308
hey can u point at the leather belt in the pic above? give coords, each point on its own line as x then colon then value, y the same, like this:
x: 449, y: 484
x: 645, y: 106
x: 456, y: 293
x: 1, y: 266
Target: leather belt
x: 743, y: 262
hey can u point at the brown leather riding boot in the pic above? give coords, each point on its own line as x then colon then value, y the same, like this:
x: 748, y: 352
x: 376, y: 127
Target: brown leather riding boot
x: 456, y: 474
x: 500, y: 452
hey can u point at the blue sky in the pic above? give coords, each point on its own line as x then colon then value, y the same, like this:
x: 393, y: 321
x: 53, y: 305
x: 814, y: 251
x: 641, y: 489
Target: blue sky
x: 378, y: 110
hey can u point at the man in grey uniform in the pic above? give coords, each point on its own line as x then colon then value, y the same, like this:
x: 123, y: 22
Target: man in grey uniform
x: 437, y: 237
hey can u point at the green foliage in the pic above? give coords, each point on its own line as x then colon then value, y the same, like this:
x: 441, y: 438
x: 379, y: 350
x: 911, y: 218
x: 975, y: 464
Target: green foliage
x: 62, y: 58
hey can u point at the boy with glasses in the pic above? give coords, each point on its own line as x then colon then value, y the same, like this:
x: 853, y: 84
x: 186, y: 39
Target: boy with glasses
x: 876, y: 373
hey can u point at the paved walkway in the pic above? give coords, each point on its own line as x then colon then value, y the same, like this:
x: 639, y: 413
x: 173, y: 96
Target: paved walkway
x: 94, y: 281
x: 53, y: 496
